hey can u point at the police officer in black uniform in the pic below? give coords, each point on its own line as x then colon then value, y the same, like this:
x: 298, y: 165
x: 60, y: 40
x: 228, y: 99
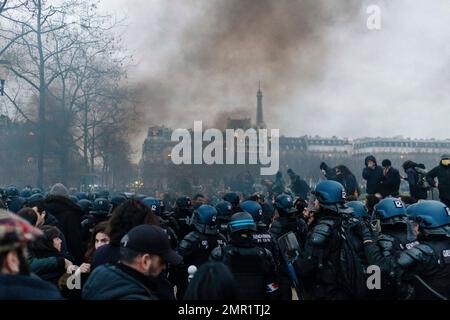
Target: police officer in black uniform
x: 287, y: 221
x: 183, y: 213
x: 196, y: 247
x: 156, y: 206
x: 99, y: 213
x: 224, y: 213
x: 319, y: 266
x: 253, y: 267
x: 428, y: 264
x: 234, y: 199
x: 393, y: 234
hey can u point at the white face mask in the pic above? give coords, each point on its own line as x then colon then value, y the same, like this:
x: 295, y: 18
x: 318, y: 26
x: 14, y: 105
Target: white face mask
x: 446, y: 162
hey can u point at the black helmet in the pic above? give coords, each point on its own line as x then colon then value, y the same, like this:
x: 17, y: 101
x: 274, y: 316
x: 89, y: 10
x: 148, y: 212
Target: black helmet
x: 184, y: 202
x: 100, y: 207
x: 232, y: 197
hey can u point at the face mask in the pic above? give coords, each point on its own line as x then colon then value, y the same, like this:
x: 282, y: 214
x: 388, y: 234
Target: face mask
x: 446, y: 162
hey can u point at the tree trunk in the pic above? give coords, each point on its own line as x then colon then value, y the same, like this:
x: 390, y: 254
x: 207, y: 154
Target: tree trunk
x: 42, y: 98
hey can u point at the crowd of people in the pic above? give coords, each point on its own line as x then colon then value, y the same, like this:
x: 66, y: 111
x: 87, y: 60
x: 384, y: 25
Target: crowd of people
x: 289, y: 242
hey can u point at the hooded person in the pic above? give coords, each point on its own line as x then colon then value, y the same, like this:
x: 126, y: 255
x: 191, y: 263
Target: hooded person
x: 298, y: 186
x: 373, y: 174
x: 69, y: 215
x: 415, y: 175
x: 442, y: 173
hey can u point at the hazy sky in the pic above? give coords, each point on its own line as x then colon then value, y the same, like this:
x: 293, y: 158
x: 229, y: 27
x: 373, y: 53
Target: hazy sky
x: 339, y: 78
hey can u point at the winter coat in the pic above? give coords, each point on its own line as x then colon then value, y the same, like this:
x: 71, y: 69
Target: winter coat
x: 390, y: 184
x: 372, y: 176
x: 117, y: 282
x: 442, y: 173
x: 69, y: 216
x: 21, y: 287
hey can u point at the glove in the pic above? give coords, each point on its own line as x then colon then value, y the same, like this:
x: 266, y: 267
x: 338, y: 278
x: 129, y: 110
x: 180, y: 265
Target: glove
x: 364, y: 232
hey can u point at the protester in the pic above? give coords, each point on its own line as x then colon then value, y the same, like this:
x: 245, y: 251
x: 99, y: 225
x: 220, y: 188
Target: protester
x: 416, y: 178
x: 348, y: 180
x: 390, y: 183
x: 99, y: 238
x: 442, y: 173
x: 212, y: 281
x: 16, y: 281
x: 130, y: 214
x: 298, y: 186
x: 69, y: 216
x: 373, y: 174
x: 144, y: 254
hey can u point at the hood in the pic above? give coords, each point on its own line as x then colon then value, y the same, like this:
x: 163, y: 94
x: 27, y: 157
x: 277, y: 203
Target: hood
x: 370, y: 158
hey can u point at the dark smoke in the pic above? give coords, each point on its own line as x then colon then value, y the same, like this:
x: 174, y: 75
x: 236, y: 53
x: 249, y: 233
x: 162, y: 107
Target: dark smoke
x: 229, y: 47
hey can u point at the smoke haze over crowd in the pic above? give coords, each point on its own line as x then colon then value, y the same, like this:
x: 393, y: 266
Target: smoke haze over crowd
x: 322, y: 71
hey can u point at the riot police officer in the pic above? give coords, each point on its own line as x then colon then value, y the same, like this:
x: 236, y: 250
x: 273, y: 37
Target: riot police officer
x: 182, y: 213
x: 99, y: 213
x: 395, y: 234
x: 359, y: 210
x: 286, y: 220
x: 224, y: 213
x: 234, y: 199
x: 253, y: 267
x: 14, y: 201
x: 319, y: 268
x: 156, y: 207
x: 428, y: 264
x: 196, y: 247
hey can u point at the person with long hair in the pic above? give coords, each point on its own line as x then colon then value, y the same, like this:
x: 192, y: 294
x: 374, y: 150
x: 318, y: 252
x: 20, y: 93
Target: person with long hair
x: 128, y: 215
x: 98, y: 239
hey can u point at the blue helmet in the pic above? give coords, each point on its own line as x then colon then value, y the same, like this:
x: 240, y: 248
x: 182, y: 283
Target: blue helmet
x: 36, y: 190
x: 85, y: 205
x: 25, y: 193
x: 330, y: 192
x: 100, y: 206
x: 241, y: 221
x: 232, y: 197
x: 73, y: 198
x: 81, y: 195
x: 12, y: 191
x: 433, y: 216
x: 390, y: 208
x: 37, y: 197
x: 359, y: 209
x: 118, y: 200
x: 140, y: 197
x: 204, y: 219
x: 254, y: 208
x: 284, y: 204
x: 154, y: 204
x: 224, y: 209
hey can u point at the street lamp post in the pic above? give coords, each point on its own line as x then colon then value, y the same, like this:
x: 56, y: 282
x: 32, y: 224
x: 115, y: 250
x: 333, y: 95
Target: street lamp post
x: 4, y: 71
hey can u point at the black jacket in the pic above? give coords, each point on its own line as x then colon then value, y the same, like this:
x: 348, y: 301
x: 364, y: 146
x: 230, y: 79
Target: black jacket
x: 118, y: 283
x: 416, y: 186
x: 299, y: 187
x: 373, y: 176
x: 390, y: 184
x: 20, y: 287
x: 69, y: 216
x: 105, y: 254
x: 442, y: 173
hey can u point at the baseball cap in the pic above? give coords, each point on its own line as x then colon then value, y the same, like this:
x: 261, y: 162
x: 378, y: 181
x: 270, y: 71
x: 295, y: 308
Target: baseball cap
x: 152, y: 240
